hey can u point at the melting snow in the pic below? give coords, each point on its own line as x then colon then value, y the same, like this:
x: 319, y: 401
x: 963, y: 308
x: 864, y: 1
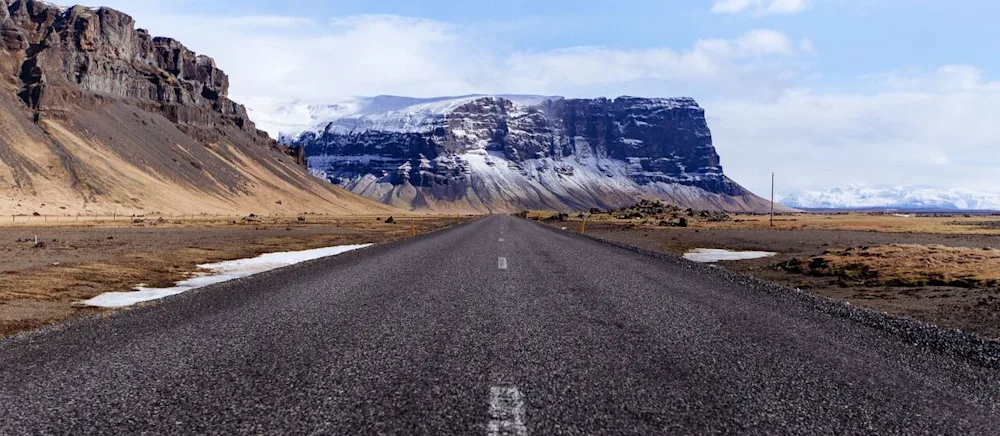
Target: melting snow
x: 218, y: 273
x: 712, y: 255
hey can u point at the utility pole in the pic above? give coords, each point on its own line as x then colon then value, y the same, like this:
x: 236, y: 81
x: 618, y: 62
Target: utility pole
x: 772, y: 199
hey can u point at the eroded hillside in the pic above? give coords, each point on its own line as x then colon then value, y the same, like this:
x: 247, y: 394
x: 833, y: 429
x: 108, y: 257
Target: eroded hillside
x: 98, y: 116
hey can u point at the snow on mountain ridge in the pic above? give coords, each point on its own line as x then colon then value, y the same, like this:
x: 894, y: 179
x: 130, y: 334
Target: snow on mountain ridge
x: 856, y: 196
x: 507, y: 153
x: 289, y: 120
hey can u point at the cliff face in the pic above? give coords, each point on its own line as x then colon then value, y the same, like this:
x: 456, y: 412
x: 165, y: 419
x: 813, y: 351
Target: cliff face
x: 67, y: 54
x: 497, y: 153
x: 131, y: 121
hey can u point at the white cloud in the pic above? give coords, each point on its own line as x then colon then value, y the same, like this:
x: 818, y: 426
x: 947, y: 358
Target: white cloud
x: 708, y: 61
x: 932, y: 129
x: 860, y: 195
x: 948, y: 78
x: 760, y: 7
x: 293, y: 57
x: 752, y: 43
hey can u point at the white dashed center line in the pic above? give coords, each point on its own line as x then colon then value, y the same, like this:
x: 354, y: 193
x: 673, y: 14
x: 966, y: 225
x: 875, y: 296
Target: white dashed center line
x: 502, y: 263
x: 506, y: 412
x: 501, y: 239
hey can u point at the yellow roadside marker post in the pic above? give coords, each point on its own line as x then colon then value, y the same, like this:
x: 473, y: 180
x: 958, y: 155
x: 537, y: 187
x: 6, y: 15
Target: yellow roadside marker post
x: 413, y: 227
x: 583, y: 225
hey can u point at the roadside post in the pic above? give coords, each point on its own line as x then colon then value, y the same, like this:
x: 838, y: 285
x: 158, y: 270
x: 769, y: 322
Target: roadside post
x: 583, y: 225
x: 772, y: 200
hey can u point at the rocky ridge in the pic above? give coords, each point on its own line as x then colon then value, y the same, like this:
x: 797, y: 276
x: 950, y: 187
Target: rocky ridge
x: 508, y: 153
x: 65, y: 54
x: 83, y: 83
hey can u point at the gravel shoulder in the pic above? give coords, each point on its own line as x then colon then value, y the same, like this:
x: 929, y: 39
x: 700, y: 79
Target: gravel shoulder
x: 971, y: 309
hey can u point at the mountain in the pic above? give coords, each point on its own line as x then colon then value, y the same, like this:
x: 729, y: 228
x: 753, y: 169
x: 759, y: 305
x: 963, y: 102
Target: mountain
x: 499, y: 153
x: 899, y: 197
x: 98, y: 116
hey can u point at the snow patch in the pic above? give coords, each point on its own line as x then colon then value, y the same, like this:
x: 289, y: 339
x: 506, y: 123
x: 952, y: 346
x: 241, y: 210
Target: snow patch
x: 217, y: 273
x: 290, y: 120
x: 712, y: 255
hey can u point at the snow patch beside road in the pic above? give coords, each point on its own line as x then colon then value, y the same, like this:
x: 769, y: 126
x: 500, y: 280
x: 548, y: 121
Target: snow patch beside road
x: 218, y: 273
x: 711, y: 255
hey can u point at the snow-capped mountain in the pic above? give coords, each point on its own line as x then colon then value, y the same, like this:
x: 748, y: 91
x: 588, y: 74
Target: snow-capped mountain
x: 495, y: 153
x: 899, y: 197
x: 290, y: 119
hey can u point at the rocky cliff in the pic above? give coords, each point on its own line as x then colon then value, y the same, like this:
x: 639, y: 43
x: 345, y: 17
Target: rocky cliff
x: 98, y: 114
x: 503, y: 153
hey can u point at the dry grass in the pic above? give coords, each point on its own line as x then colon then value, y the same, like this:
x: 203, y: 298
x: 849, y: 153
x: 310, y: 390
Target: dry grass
x: 872, y: 222
x: 37, y: 295
x: 907, y: 265
x: 953, y: 225
x: 361, y: 221
x: 104, y: 164
x: 884, y: 277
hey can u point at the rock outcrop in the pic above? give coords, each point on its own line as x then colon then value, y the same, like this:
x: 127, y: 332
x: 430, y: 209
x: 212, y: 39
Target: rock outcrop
x: 69, y: 57
x: 84, y: 83
x: 499, y: 153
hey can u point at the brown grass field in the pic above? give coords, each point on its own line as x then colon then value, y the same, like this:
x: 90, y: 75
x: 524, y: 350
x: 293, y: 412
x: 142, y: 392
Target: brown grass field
x: 911, y: 265
x: 39, y: 284
x: 943, y: 270
x: 956, y: 224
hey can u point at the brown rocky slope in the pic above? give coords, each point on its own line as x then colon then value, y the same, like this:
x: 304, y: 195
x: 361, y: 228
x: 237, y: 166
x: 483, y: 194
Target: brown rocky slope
x: 97, y: 116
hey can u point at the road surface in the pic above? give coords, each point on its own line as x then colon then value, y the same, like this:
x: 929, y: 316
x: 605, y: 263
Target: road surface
x: 497, y: 326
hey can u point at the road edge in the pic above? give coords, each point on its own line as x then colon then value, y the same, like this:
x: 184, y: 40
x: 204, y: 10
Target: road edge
x: 973, y: 348
x: 30, y: 336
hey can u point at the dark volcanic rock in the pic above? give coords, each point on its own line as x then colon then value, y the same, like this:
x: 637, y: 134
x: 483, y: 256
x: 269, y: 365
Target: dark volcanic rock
x: 495, y: 153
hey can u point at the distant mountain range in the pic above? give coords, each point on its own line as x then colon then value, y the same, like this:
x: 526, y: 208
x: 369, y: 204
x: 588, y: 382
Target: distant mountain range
x: 900, y: 197
x: 500, y: 153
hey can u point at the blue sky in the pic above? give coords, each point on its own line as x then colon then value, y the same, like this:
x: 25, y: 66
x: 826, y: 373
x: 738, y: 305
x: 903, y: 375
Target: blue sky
x: 855, y: 36
x: 825, y: 92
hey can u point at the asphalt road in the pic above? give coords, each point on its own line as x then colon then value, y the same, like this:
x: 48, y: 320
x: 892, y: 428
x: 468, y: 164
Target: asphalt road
x: 498, y: 326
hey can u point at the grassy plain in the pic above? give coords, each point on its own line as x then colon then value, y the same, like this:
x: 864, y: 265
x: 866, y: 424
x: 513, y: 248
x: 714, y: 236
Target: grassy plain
x: 941, y: 269
x: 41, y: 283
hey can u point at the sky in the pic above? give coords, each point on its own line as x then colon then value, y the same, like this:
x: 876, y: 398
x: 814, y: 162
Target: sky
x: 823, y: 92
